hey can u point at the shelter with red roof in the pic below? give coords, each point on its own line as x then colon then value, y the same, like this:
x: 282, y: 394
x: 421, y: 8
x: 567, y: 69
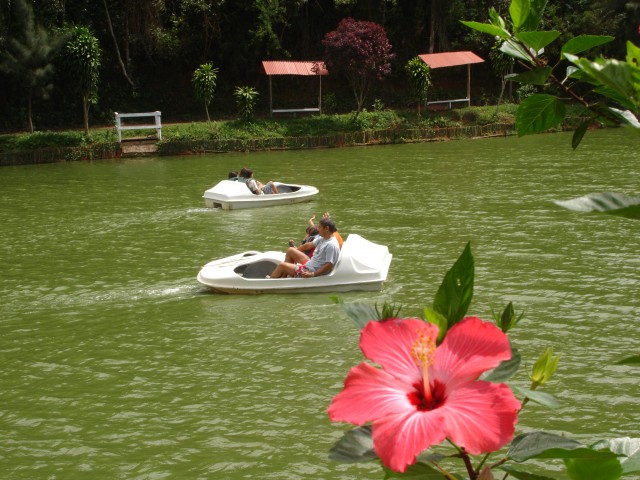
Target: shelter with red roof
x: 278, y: 67
x: 452, y: 59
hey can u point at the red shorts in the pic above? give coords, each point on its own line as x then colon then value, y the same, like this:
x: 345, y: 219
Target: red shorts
x: 300, y: 267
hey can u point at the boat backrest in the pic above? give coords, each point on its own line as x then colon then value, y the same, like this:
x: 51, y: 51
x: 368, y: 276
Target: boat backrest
x: 360, y: 255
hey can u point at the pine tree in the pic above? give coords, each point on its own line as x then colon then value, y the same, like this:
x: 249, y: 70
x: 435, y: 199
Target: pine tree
x: 29, y: 54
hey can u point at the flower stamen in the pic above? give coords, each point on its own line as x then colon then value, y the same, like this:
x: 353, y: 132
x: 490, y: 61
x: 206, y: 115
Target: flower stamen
x: 423, y: 352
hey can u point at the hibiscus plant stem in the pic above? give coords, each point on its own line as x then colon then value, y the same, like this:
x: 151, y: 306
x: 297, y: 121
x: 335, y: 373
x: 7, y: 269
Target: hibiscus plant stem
x: 473, y: 474
x: 446, y: 474
x: 484, y: 459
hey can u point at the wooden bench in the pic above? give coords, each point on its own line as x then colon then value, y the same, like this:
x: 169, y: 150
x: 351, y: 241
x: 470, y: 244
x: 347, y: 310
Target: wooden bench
x: 157, y: 126
x: 449, y: 102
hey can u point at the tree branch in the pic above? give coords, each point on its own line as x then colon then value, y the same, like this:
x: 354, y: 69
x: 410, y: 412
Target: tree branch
x: 124, y: 69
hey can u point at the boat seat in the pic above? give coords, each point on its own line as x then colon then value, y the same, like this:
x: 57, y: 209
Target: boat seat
x: 283, y: 188
x: 257, y: 269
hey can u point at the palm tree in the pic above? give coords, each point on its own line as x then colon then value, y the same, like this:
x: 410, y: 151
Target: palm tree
x: 204, y: 82
x: 83, y: 59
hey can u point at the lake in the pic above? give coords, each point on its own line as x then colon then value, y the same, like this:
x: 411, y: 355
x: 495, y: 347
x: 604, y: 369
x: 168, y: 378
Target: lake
x: 116, y: 363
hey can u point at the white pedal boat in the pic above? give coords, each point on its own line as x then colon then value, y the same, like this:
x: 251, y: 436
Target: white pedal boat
x: 232, y: 195
x: 362, y: 265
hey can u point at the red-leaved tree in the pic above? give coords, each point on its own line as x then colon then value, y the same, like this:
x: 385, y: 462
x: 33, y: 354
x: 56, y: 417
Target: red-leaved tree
x: 361, y: 52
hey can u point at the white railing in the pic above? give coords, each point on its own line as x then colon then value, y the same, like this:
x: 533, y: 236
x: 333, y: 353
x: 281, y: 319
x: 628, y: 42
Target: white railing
x: 449, y: 102
x: 157, y: 126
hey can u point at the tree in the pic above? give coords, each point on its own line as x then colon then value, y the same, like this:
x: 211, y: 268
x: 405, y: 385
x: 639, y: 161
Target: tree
x: 29, y: 56
x: 361, y: 52
x: 419, y: 75
x: 246, y: 98
x: 82, y: 58
x: 204, y: 81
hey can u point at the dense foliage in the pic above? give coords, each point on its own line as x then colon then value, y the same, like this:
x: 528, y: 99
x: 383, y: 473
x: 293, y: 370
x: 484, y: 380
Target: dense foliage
x: 150, y: 49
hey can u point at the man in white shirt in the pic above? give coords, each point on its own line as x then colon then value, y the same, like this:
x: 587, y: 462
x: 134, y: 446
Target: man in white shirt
x: 325, y: 256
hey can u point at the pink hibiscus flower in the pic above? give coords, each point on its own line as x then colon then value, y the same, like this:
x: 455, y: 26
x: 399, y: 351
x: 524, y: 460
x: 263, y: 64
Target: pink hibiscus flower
x: 423, y: 394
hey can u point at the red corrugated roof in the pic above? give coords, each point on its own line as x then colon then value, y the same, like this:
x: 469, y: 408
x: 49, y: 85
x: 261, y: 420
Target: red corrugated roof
x: 276, y: 67
x: 449, y: 59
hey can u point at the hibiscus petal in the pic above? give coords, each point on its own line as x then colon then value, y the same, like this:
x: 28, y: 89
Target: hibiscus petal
x: 389, y: 342
x: 481, y: 416
x: 368, y: 395
x: 470, y: 348
x: 398, y: 439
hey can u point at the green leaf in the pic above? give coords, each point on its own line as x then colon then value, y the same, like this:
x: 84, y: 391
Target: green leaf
x: 549, y: 445
x: 493, y: 30
x: 534, y: 444
x: 626, y: 117
x: 438, y: 320
x: 506, y: 369
x: 537, y: 40
x: 609, y: 92
x: 355, y: 446
x: 628, y: 447
x: 516, y: 50
x: 519, y: 11
x: 359, y: 313
x: 633, y: 360
x: 579, y: 132
x: 454, y: 296
x: 417, y: 471
x: 535, y: 76
x: 537, y: 397
x: 608, y: 468
x: 544, y: 368
x: 582, y: 43
x: 538, y: 113
x: 508, y: 319
x: 608, y: 202
x: 613, y: 73
x: 516, y: 472
x: 536, y: 11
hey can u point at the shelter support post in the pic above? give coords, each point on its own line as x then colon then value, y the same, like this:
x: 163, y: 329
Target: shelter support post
x: 270, y: 98
x: 320, y: 96
x: 469, y: 83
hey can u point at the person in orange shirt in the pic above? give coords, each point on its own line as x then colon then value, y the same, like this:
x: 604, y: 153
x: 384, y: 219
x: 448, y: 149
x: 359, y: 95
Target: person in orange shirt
x: 335, y: 234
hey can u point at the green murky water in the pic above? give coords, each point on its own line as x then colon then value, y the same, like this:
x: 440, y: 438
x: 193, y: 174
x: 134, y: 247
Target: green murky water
x: 116, y: 363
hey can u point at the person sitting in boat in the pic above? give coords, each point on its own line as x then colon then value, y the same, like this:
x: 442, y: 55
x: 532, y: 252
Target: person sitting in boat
x: 255, y: 186
x: 311, y: 233
x: 325, y: 256
x: 232, y: 176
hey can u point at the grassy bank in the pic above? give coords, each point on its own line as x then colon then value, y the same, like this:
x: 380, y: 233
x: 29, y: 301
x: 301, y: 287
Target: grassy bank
x: 262, y: 133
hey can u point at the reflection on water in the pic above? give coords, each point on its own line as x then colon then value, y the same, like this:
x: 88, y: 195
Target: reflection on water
x: 118, y: 364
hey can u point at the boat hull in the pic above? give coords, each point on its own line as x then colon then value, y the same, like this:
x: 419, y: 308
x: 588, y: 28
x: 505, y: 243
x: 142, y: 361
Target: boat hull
x: 362, y: 266
x: 232, y: 195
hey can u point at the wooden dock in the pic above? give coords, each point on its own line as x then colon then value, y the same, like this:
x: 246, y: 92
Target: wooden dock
x: 138, y: 147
